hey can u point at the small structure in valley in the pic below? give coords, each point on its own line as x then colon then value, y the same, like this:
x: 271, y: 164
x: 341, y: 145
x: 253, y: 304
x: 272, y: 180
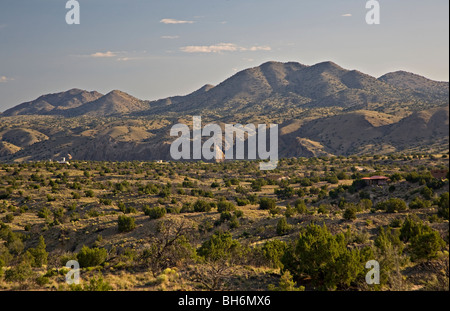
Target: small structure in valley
x: 376, y: 180
x: 439, y: 174
x: 63, y: 161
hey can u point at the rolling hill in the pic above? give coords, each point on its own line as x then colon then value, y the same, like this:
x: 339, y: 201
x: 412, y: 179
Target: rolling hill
x: 54, y: 104
x: 322, y: 109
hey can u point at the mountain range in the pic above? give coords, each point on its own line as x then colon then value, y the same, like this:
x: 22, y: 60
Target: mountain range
x: 322, y: 109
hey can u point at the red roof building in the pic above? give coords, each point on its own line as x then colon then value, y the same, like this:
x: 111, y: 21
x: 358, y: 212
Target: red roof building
x: 439, y: 174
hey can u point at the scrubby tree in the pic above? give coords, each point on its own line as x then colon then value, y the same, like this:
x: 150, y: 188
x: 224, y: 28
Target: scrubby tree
x: 419, y: 203
x: 300, y: 206
x: 267, y: 203
x: 392, y: 205
x: 225, y: 206
x: 21, y: 272
x: 168, y: 246
x: 284, y: 192
x: 426, y: 245
x: 155, y: 212
x: 412, y: 227
x: 365, y: 204
x: 201, y: 206
x: 286, y: 284
x: 40, y: 255
x: 325, y: 258
x: 91, y: 257
x: 443, y: 204
x: 126, y: 224
x: 427, y: 193
x: 282, y: 226
x: 389, y: 253
x: 350, y: 213
x: 273, y: 251
x: 221, y: 252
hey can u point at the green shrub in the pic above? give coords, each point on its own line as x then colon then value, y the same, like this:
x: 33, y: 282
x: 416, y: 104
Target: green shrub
x: 325, y: 258
x: 274, y: 211
x: 267, y: 203
x: 283, y: 227
x: 258, y: 184
x: 443, y: 204
x: 342, y: 175
x: 91, y: 257
x: 300, y: 206
x: 187, y: 208
x: 225, y: 216
x: 289, y: 211
x: 333, y: 179
x: 427, y: 193
x: 76, y: 196
x: 225, y: 206
x: 9, y: 218
x: 234, y: 222
x: 273, y: 251
x: 365, y: 204
x: 89, y: 193
x: 155, y: 212
x: 350, y: 213
x: 42, y: 280
x: 286, y: 284
x: 427, y: 245
x: 242, y: 202
x: 418, y: 203
x: 396, y: 177
x: 95, y: 285
x: 106, y: 202
x: 44, y: 212
x: 126, y: 224
x: 220, y: 247
x: 396, y: 223
x: 39, y: 253
x: 202, y: 206
x: 19, y: 273
x: 284, y: 193
x: 323, y: 209
x: 392, y: 205
x: 305, y: 182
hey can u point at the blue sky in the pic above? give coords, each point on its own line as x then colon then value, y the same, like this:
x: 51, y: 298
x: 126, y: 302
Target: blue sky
x: 155, y: 49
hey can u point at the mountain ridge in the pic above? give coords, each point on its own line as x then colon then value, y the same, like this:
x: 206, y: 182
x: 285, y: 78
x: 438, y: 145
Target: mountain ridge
x: 325, y: 84
x: 321, y: 110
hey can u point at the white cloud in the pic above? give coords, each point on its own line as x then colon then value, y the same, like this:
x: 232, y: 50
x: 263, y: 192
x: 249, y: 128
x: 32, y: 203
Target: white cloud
x: 104, y: 54
x: 121, y: 56
x: 127, y: 59
x: 4, y: 79
x: 259, y: 48
x: 222, y: 47
x: 175, y: 21
x: 346, y: 15
x: 170, y: 37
